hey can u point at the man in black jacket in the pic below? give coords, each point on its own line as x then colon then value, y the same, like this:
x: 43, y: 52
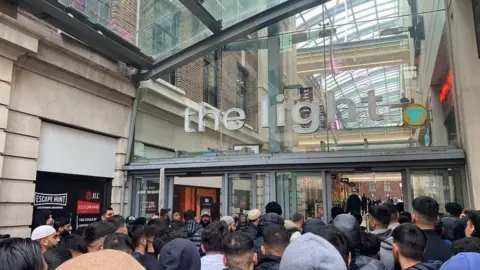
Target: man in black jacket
x: 275, y: 242
x: 425, y: 216
x: 267, y: 221
x: 251, y: 227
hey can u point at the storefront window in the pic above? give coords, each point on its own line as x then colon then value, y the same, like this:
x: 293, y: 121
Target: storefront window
x: 147, y: 195
x: 247, y: 192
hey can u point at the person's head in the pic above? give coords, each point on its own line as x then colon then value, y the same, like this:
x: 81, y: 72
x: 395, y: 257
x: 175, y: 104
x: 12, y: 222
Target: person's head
x: 336, y: 237
x: 467, y: 244
x: 254, y: 216
x: 46, y: 236
x: 164, y: 236
x: 54, y: 257
x: 392, y: 209
x: 118, y: 241
x: 273, y: 207
x: 212, y: 237
x: 42, y: 217
x: 298, y: 219
x: 160, y: 223
x: 409, y: 243
x: 107, y: 213
x: 463, y: 261
x: 275, y: 241
x: 80, y: 231
x: 473, y: 224
x: 370, y: 245
x: 205, y: 217
x: 76, y: 244
x: 150, y: 232
x: 405, y: 217
x: 180, y: 253
x: 230, y: 221
x: 313, y: 252
x: 400, y: 207
x: 62, y: 226
x: 139, y: 239
x: 336, y: 210
x: 425, y: 212
x: 189, y: 215
x: 119, y: 222
x: 177, y: 216
x: 95, y: 233
x: 378, y: 217
x: 164, y: 213
x: 239, y: 251
x: 19, y: 253
x: 454, y: 209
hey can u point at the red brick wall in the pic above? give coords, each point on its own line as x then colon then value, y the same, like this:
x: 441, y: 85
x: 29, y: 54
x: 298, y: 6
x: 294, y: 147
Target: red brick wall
x: 123, y: 18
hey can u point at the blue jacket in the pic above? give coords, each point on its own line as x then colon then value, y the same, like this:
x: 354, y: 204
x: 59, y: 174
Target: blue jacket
x: 194, y: 232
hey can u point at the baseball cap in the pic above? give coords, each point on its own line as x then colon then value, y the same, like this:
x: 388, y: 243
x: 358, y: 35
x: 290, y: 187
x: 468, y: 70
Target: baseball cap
x: 42, y: 232
x: 254, y: 214
x: 205, y: 212
x: 130, y: 220
x: 228, y: 219
x: 164, y: 211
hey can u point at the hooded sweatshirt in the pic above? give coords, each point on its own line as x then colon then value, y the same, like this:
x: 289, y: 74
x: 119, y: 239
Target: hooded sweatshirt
x: 311, y: 252
x: 266, y: 221
x: 194, y: 232
x: 426, y: 266
x: 179, y: 254
x: 386, y: 246
x: 462, y: 261
x: 212, y: 262
x: 269, y: 262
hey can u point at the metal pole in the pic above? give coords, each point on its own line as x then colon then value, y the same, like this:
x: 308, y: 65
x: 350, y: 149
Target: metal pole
x: 161, y: 198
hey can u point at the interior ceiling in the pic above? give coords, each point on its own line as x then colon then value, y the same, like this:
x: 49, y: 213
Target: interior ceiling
x: 372, y: 177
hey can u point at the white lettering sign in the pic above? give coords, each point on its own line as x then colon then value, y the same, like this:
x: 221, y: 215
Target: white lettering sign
x: 50, y: 199
x: 234, y: 119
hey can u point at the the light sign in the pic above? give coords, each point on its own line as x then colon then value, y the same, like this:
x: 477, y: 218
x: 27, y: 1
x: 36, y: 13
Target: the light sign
x: 446, y: 87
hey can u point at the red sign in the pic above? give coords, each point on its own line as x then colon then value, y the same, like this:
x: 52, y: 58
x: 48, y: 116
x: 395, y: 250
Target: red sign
x: 84, y: 207
x: 446, y: 87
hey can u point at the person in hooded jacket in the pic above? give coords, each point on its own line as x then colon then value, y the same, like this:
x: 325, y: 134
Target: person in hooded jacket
x: 409, y: 243
x: 267, y: 221
x: 180, y: 254
x: 379, y: 218
x: 349, y: 226
x: 354, y: 204
x: 275, y: 242
x: 251, y: 226
x: 193, y: 229
x: 451, y: 220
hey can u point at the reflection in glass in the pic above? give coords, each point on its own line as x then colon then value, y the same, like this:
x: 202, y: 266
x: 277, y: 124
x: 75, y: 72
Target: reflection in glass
x: 437, y: 184
x: 147, y: 196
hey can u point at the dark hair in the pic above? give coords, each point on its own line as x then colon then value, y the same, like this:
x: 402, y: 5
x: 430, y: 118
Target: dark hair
x: 354, y: 204
x: 189, y: 215
x: 296, y: 217
x: 54, y: 257
x: 21, y: 254
x: 164, y: 236
x: 370, y: 244
x: 213, y: 235
x: 427, y: 208
x: 106, y: 210
x: 60, y: 222
x: 411, y: 241
x: 118, y: 221
x: 235, y: 246
x: 381, y: 214
x: 80, y: 231
x: 136, y: 234
x: 400, y: 207
x: 392, y: 209
x: 276, y: 238
x: 336, y: 210
x: 358, y: 217
x: 273, y: 207
x: 176, y: 224
x: 405, y: 217
x: 150, y: 231
x: 118, y: 241
x: 454, y: 209
x: 474, y: 217
x: 159, y: 223
x: 74, y: 242
x: 312, y: 225
x: 467, y: 244
x: 97, y: 230
x: 336, y: 237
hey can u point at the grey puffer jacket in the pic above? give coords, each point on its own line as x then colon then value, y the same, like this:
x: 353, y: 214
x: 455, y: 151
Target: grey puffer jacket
x: 348, y: 224
x: 386, y: 253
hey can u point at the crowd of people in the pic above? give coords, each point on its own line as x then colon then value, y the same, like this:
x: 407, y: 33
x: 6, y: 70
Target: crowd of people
x: 382, y: 239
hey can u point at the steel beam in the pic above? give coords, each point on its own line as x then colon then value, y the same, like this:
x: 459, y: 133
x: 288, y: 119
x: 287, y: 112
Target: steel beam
x: 106, y: 43
x: 203, y: 15
x: 239, y: 30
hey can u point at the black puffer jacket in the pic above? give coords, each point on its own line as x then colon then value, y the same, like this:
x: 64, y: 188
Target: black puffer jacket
x: 348, y: 224
x: 267, y: 221
x: 426, y: 266
x: 252, y: 230
x: 269, y: 262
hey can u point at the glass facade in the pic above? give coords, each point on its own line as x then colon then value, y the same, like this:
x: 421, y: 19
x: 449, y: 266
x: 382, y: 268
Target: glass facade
x: 345, y: 75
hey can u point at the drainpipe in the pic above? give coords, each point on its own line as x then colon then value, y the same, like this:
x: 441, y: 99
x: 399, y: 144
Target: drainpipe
x: 128, y: 155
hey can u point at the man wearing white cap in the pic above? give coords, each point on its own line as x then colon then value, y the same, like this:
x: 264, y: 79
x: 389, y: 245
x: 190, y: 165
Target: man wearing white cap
x: 230, y: 223
x: 251, y: 227
x: 46, y: 236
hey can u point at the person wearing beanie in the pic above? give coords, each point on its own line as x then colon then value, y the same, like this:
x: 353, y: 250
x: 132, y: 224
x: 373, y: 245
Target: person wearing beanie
x: 273, y: 207
x: 46, y: 236
x: 251, y: 227
x: 104, y: 259
x: 230, y: 223
x: 311, y: 252
x: 463, y: 261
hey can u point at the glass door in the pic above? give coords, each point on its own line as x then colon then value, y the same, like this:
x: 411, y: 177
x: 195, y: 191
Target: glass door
x: 246, y: 192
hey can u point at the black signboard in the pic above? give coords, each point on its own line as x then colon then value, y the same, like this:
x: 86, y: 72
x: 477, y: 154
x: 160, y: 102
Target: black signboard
x: 79, y: 198
x: 476, y: 20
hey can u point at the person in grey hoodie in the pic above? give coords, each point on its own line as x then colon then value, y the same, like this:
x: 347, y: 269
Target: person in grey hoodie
x: 379, y: 218
x: 311, y: 252
x: 348, y: 224
x: 212, y: 238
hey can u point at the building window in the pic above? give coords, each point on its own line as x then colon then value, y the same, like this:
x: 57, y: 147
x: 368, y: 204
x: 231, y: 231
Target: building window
x: 165, y: 29
x: 371, y: 186
x: 210, y: 79
x: 170, y: 77
x: 98, y: 11
x: 387, y: 186
x: 242, y: 76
